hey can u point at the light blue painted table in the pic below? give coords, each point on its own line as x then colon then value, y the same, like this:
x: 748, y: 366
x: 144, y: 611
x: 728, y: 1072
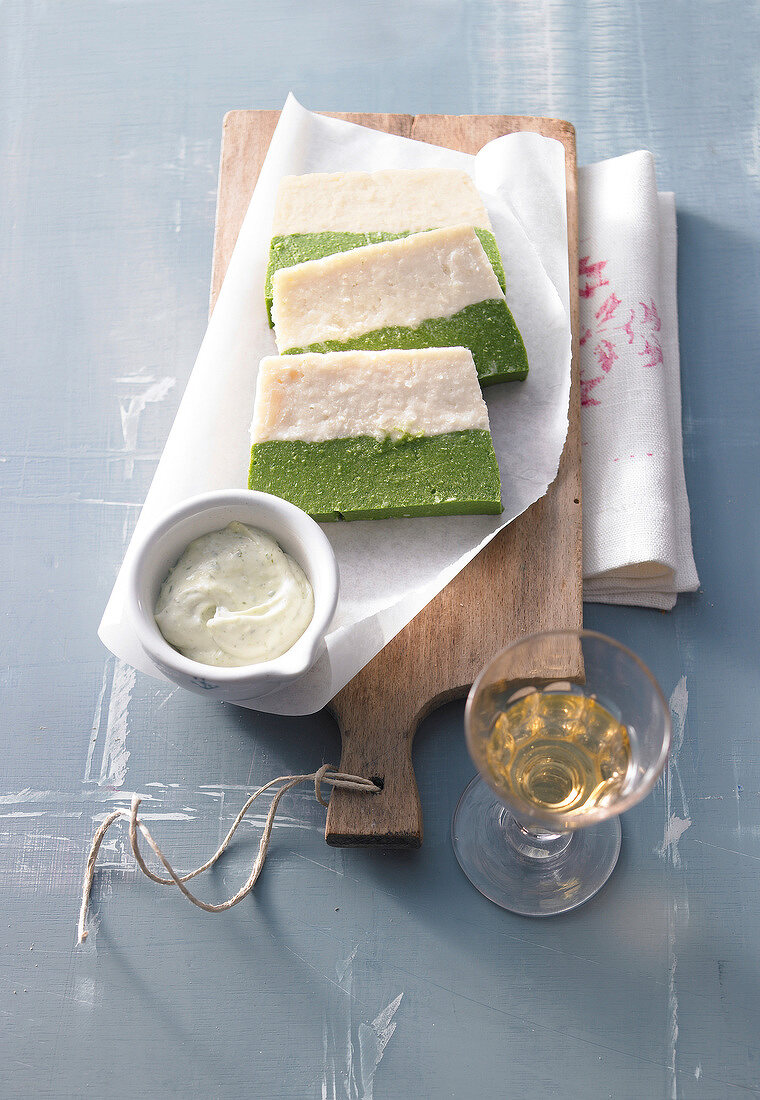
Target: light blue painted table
x: 111, y: 117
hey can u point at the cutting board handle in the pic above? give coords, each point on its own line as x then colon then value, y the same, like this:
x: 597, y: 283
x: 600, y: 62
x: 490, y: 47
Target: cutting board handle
x: 378, y: 745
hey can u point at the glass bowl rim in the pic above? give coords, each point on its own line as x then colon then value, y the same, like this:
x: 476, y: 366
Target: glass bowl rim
x: 523, y: 810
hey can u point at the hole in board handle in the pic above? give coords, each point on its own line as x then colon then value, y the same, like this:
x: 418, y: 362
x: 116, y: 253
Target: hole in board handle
x: 378, y: 781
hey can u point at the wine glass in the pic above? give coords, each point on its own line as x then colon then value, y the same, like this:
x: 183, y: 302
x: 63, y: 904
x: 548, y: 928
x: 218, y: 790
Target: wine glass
x: 567, y: 729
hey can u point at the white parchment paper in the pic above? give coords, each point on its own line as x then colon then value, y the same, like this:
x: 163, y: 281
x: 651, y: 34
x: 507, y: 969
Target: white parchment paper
x: 389, y: 568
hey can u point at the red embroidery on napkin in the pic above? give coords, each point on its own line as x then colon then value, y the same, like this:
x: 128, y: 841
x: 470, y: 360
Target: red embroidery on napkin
x: 649, y: 454
x: 605, y: 355
x: 594, y: 276
x: 607, y: 336
x: 628, y: 328
x: 607, y: 309
x: 586, y: 386
x: 651, y: 316
x: 653, y: 351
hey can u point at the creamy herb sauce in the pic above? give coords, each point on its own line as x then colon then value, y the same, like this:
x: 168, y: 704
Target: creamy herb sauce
x: 234, y: 598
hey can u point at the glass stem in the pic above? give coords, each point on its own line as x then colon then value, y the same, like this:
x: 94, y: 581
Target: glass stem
x: 532, y: 843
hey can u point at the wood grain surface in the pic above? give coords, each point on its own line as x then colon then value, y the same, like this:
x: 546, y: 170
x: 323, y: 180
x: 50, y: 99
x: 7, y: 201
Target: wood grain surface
x: 527, y: 579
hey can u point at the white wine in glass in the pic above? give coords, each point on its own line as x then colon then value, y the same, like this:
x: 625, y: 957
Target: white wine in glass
x: 557, y: 751
x: 567, y: 729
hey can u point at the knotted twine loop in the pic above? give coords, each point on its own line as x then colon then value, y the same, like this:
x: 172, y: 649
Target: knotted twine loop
x: 325, y: 774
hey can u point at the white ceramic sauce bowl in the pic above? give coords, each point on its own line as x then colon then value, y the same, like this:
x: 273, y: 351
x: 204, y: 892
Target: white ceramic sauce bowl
x: 161, y: 546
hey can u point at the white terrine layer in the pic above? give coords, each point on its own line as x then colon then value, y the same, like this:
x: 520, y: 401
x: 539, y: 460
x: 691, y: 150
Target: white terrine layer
x: 391, y: 201
x: 367, y: 393
x: 402, y: 282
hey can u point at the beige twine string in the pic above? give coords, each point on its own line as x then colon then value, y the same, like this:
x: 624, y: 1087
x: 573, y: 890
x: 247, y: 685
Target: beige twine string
x: 326, y: 774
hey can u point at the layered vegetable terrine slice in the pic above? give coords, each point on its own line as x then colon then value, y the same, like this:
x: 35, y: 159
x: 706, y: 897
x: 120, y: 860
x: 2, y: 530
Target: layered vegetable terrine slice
x: 320, y: 214
x: 374, y: 434
x: 433, y: 289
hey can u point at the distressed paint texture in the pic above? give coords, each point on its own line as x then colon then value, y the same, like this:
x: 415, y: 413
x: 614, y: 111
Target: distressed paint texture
x: 110, y: 120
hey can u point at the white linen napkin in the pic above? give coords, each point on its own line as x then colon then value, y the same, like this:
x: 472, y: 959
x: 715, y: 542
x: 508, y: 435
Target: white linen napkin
x: 636, y: 523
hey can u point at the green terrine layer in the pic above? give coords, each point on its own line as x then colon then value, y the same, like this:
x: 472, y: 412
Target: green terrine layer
x: 366, y: 478
x: 297, y: 248
x: 487, y: 328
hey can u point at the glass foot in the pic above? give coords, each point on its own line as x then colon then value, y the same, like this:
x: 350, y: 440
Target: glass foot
x: 530, y: 875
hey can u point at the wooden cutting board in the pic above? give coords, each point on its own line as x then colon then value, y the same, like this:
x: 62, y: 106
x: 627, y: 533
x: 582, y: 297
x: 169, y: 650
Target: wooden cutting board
x: 527, y: 579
